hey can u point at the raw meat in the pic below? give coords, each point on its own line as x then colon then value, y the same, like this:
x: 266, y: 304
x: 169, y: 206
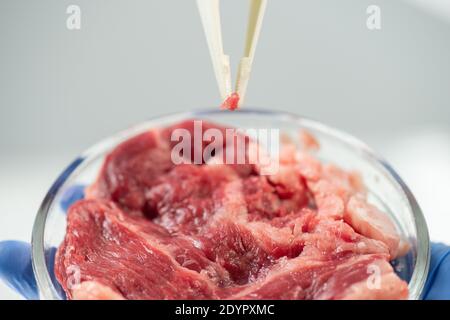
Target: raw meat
x: 150, y: 229
x: 232, y: 102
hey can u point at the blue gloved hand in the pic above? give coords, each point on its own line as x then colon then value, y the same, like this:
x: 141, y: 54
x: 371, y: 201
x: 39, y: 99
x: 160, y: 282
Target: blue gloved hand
x: 16, y: 269
x: 17, y: 272
x: 438, y: 282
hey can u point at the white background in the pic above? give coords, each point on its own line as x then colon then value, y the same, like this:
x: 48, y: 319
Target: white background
x: 61, y: 91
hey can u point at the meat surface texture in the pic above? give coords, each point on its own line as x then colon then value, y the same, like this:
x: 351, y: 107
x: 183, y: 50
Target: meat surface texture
x: 149, y: 229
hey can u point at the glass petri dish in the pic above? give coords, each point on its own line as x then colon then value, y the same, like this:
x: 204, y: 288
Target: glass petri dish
x: 385, y: 188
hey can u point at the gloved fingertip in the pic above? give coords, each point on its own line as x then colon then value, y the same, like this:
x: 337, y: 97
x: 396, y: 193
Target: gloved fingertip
x: 438, y: 282
x: 16, y: 269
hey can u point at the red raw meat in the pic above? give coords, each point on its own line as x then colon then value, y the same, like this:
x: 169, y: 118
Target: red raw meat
x: 187, y: 197
x: 117, y: 251
x: 150, y: 229
x: 232, y: 102
x: 130, y: 170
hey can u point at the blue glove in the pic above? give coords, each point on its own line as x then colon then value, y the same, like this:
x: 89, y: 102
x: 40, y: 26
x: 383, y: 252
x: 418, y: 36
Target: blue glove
x: 438, y: 282
x: 16, y: 270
